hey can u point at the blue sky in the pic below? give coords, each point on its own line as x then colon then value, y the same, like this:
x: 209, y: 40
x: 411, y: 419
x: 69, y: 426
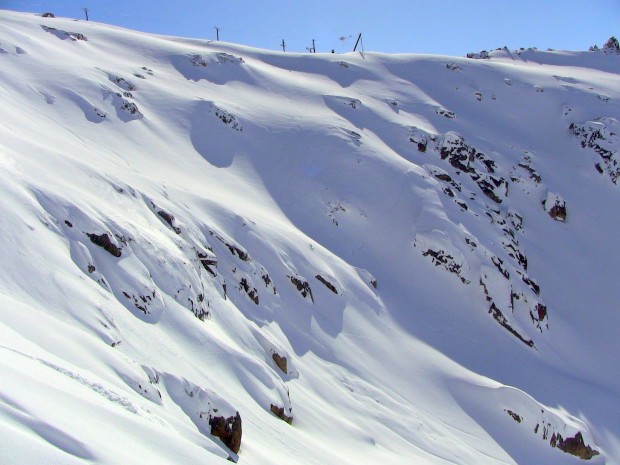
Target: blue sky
x: 450, y: 27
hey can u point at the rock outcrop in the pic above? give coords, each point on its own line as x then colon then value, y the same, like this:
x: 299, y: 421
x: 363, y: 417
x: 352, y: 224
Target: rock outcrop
x: 228, y: 430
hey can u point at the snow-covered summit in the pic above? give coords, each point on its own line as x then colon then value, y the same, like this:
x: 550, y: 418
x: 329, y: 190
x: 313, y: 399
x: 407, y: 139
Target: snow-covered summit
x: 212, y: 251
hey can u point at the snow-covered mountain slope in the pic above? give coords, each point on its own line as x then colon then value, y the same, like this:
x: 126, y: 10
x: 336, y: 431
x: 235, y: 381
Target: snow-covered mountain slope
x: 213, y: 251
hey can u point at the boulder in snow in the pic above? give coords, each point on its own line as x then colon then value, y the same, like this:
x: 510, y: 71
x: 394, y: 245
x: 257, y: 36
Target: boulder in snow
x: 555, y: 206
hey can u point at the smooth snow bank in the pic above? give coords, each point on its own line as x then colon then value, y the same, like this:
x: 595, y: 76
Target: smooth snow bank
x: 181, y: 219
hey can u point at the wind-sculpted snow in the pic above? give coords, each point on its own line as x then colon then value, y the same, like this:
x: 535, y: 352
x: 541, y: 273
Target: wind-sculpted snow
x: 213, y: 253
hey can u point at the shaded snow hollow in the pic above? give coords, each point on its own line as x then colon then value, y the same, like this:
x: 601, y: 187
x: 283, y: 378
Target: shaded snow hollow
x: 215, y: 252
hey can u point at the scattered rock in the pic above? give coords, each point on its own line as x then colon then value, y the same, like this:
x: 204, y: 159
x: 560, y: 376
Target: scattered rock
x: 555, y: 206
x: 420, y: 138
x: 228, y: 430
x: 439, y: 257
x: 122, y: 82
x: 100, y: 113
x: 228, y: 118
x: 129, y: 107
x: 141, y: 302
x: 169, y: 218
x: 483, y: 55
x: 498, y: 316
x: 612, y: 45
x: 501, y: 319
x: 48, y: 15
x: 242, y: 254
x: 280, y: 361
x: 574, y: 446
x: 104, y: 241
x: 445, y: 113
x: 514, y: 416
x: 74, y: 36
x: 228, y: 58
x: 251, y: 292
x: 302, y: 286
x: 198, y: 60
x: 279, y: 412
x: 602, y: 136
x: 329, y: 285
x: 208, y: 261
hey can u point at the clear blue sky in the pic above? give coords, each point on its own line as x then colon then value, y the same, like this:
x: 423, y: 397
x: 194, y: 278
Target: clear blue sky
x: 451, y: 27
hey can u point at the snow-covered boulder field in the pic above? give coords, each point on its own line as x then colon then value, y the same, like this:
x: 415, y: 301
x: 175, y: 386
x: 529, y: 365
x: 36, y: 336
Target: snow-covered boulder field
x: 212, y: 252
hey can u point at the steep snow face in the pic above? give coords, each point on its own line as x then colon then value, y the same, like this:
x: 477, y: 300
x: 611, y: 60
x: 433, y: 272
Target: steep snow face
x: 214, y: 252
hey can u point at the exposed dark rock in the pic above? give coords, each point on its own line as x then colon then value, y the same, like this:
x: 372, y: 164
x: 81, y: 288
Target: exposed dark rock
x: 329, y: 285
x: 169, y: 218
x: 141, y: 302
x: 555, y: 206
x: 129, y: 107
x: 243, y: 255
x: 302, y: 286
x: 251, y: 292
x: 439, y: 257
x: 487, y: 188
x: 514, y: 416
x: 575, y: 446
x: 280, y: 362
x: 123, y: 83
x: 91, y: 268
x: 483, y: 55
x: 601, y: 135
x: 207, y: 262
x: 530, y: 282
x: 227, y: 118
x: 279, y: 412
x: 444, y: 177
x: 228, y: 58
x: 420, y: 138
x: 612, y: 45
x: 516, y: 254
x: 445, y: 113
x: 64, y: 34
x: 197, y: 309
x: 541, y: 311
x: 228, y: 430
x: 501, y: 319
x: 499, y: 264
x: 104, y: 241
x: 68, y: 223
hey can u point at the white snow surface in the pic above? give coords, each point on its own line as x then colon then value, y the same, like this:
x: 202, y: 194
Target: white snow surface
x: 230, y: 179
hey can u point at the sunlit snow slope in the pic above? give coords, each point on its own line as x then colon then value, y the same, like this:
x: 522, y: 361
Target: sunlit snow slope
x: 211, y: 251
